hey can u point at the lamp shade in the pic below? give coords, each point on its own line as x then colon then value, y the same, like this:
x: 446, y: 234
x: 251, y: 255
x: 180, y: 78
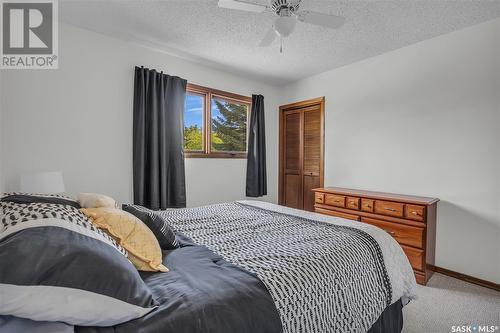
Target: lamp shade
x: 43, y: 182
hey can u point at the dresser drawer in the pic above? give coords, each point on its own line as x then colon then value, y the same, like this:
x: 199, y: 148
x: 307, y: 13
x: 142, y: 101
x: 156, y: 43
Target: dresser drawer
x: 337, y: 214
x: 415, y: 212
x: 403, y: 234
x: 335, y: 200
x: 410, y: 220
x: 352, y: 203
x: 415, y: 256
x: 389, y: 208
x: 318, y: 197
x: 367, y: 205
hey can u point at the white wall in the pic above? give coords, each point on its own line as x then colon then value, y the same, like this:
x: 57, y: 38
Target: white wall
x: 78, y: 119
x: 424, y: 120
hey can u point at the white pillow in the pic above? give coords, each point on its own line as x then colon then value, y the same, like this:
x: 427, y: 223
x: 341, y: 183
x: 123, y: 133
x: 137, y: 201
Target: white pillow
x: 95, y: 200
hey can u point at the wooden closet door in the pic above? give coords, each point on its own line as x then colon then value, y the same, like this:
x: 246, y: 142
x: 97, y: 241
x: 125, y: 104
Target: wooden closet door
x: 312, y: 161
x: 301, y: 153
x: 292, y: 177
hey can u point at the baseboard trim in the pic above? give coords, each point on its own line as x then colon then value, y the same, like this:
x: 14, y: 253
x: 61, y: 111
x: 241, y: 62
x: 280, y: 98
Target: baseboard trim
x: 466, y: 278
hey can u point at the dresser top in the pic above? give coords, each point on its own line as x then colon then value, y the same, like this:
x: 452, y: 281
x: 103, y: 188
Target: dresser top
x: 379, y: 195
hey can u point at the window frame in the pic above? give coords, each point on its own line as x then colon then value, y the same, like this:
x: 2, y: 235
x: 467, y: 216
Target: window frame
x: 208, y: 93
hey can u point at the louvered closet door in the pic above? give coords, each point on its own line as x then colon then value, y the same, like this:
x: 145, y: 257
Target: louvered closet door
x: 312, y: 155
x: 301, y: 153
x: 292, y: 177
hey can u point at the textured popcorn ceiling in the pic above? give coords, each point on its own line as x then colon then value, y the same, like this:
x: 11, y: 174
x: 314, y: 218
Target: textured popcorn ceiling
x: 228, y: 39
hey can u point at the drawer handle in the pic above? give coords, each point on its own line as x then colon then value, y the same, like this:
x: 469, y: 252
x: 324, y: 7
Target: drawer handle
x: 415, y: 213
x: 390, y: 209
x: 392, y: 233
x: 368, y: 206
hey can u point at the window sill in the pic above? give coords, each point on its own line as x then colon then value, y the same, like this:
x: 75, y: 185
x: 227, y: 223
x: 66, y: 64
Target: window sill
x: 215, y: 155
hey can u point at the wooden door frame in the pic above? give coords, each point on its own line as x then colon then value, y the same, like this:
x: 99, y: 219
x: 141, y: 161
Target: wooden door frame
x: 281, y: 165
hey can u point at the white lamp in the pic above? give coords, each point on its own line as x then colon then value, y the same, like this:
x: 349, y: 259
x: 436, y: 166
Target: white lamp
x: 43, y: 182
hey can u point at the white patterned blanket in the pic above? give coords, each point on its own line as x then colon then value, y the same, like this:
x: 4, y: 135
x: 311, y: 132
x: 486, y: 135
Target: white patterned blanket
x: 325, y: 274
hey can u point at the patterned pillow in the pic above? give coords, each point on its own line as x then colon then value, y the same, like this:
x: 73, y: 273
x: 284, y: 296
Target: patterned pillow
x: 28, y: 198
x: 44, y: 195
x: 61, y: 259
x: 162, y: 231
x: 15, y: 217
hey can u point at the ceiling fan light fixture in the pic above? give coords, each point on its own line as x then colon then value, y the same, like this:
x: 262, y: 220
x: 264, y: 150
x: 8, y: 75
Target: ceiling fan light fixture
x: 285, y: 25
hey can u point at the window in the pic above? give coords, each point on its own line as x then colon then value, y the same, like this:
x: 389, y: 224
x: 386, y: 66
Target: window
x: 215, y: 123
x: 194, y: 107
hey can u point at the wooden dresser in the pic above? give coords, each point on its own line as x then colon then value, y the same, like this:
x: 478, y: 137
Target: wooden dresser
x: 409, y: 219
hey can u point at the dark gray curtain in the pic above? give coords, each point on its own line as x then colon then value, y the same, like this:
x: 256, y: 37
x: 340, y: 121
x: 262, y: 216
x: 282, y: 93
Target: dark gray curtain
x: 256, y: 162
x: 159, y: 179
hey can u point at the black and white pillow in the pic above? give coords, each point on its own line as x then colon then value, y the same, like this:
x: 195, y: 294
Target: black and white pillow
x: 160, y: 228
x: 66, y: 269
x: 39, y: 195
x: 22, y: 198
x: 16, y: 216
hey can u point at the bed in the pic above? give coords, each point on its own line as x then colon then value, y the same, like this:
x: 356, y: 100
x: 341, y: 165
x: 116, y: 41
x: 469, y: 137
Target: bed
x: 251, y: 266
x: 244, y: 266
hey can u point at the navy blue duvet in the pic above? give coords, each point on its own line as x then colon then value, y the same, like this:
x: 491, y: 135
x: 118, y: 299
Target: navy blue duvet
x: 202, y: 293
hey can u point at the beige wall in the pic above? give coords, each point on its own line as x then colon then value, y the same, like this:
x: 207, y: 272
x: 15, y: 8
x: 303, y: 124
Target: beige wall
x: 424, y: 120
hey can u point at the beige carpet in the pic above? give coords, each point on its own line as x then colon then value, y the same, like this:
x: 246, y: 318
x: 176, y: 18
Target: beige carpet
x: 447, y: 302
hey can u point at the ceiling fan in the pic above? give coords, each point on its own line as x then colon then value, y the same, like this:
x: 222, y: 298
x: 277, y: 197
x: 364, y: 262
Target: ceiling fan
x: 288, y: 13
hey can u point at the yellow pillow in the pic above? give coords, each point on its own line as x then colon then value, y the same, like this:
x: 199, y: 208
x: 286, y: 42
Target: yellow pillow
x: 132, y: 234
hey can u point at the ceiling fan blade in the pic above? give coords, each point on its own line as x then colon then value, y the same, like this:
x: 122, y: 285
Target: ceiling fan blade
x: 268, y: 38
x: 242, y: 5
x: 324, y: 20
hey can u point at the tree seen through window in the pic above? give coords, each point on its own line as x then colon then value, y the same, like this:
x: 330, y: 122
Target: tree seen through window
x: 229, y: 125
x: 226, y: 118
